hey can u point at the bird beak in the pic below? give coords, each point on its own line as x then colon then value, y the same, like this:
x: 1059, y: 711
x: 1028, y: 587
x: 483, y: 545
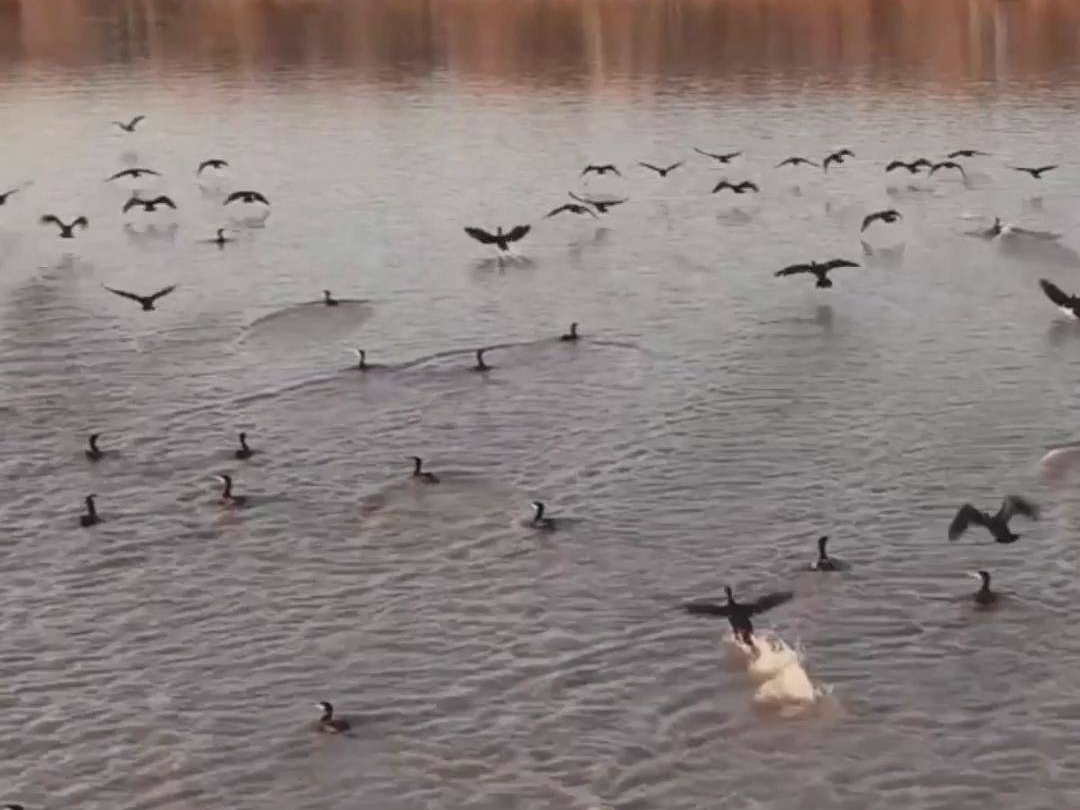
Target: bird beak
x: 974, y: 574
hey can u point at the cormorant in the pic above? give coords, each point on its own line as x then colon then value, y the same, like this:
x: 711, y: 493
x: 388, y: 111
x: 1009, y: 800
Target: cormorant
x: 837, y: 158
x: 912, y: 167
x: 328, y: 299
x: 244, y: 452
x: 949, y: 164
x: 502, y: 240
x: 328, y: 723
x: 66, y: 231
x: 984, y: 596
x: 797, y: 161
x: 538, y: 520
x: 147, y: 301
x: 1037, y: 173
x: 94, y: 453
x: 572, y: 334
x: 738, y: 188
x: 130, y: 126
x: 213, y: 163
x: 227, y: 497
x: 220, y: 239
x: 824, y: 562
x: 426, y: 477
x: 820, y: 270
x: 739, y: 613
x: 134, y: 173
x: 1070, y: 304
x: 601, y: 170
x: 247, y: 197
x: 966, y: 153
x: 662, y: 171
x: 91, y: 517
x: 891, y: 215
x: 149, y: 205
x: 362, y: 363
x: 480, y: 364
x: 722, y: 158
x: 572, y: 208
x: 997, y: 525
x: 600, y: 205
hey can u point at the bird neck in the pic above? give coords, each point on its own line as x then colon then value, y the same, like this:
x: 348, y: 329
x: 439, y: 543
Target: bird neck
x: 90, y: 508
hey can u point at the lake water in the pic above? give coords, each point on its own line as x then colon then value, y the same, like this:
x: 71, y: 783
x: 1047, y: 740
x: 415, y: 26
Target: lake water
x: 712, y: 422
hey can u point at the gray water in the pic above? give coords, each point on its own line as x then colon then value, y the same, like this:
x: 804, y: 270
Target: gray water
x: 712, y: 422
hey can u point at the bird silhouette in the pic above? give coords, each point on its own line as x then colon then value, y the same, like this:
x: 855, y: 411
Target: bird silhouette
x: 572, y: 208
x: 739, y: 613
x: 1068, y: 303
x: 502, y: 240
x: 662, y: 171
x: 149, y: 205
x: 891, y: 215
x: 837, y: 158
x: 966, y: 153
x: 66, y: 231
x: 607, y: 168
x: 247, y: 197
x: 819, y: 269
x: 212, y: 163
x: 130, y: 126
x: 1037, y: 172
x: 600, y: 205
x: 134, y: 173
x: 721, y: 158
x: 738, y: 188
x: 147, y: 301
x: 984, y: 596
x: 797, y: 161
x: 997, y: 524
x: 949, y: 164
x: 912, y: 167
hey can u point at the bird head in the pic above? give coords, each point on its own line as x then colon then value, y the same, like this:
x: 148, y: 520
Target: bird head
x: 325, y: 707
x: 983, y: 576
x: 728, y: 592
x: 821, y: 544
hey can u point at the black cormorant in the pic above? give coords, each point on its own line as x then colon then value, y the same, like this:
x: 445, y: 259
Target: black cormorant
x: 739, y: 613
x: 328, y: 723
x: 66, y: 231
x: 998, y: 524
x: 819, y: 270
x: 891, y: 215
x: 147, y: 301
x: 418, y: 473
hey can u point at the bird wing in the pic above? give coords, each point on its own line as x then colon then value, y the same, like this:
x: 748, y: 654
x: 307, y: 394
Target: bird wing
x: 793, y: 269
x: 749, y: 184
x: 721, y: 185
x: 961, y: 153
x: 769, y: 601
x: 560, y: 209
x: 1015, y: 505
x: 656, y: 169
x: 162, y: 292
x: 1042, y: 169
x: 236, y: 195
x: 965, y: 516
x: 51, y: 218
x: 869, y: 219
x: 590, y: 168
x: 706, y: 609
x: 257, y: 196
x: 81, y: 221
x: 1055, y: 294
x: 518, y: 232
x: 163, y: 200
x: 709, y: 154
x: 132, y: 203
x: 135, y: 121
x: 834, y: 263
x: 897, y: 164
x: 674, y: 166
x: 574, y: 196
x: 124, y: 294
x: 480, y: 235
x: 730, y: 156
x: 118, y: 175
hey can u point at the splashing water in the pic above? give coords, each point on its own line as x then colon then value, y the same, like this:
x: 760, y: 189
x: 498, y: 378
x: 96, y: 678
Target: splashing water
x: 777, y: 670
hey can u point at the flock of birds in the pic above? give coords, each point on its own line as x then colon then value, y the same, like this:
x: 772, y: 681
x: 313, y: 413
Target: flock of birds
x: 738, y: 613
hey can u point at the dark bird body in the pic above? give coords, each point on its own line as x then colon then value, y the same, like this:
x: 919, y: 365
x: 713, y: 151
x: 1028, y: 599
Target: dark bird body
x: 837, y: 158
x: 133, y: 173
x: 419, y: 474
x: 912, y: 167
x: 328, y: 724
x: 130, y: 125
x: 797, y: 161
x: 739, y: 613
x: 227, y: 497
x: 824, y: 562
x: 246, y: 197
x: 607, y: 168
x: 720, y: 158
x: 538, y: 520
x: 328, y: 299
x: 572, y: 208
x: 572, y: 334
x: 890, y: 216
x: 91, y: 517
x: 213, y: 163
x: 984, y: 596
x: 244, y: 452
x: 147, y: 301
x: 149, y: 205
x: 480, y: 364
x: 500, y: 239
x: 738, y: 188
x: 362, y: 363
x: 949, y: 164
x: 66, y: 231
x: 220, y: 239
x: 663, y: 171
x: 600, y: 205
x: 966, y: 153
x: 95, y: 453
x: 1069, y: 303
x: 1036, y: 172
x: 819, y: 270
x: 997, y: 524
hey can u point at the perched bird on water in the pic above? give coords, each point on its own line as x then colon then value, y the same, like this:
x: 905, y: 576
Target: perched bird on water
x: 837, y: 158
x: 66, y: 231
x: 572, y: 334
x: 966, y: 153
x: 738, y: 188
x: 824, y: 562
x: 480, y: 364
x: 663, y: 171
x: 998, y: 524
x: 13, y: 807
x: 133, y: 173
x: 212, y: 163
x: 95, y: 453
x: 572, y: 208
x: 500, y: 239
x: 1037, y: 172
x: 949, y: 164
x: 227, y: 497
x: 91, y: 517
x: 739, y: 613
x: 362, y: 362
x: 149, y: 205
x: 912, y: 167
x: 246, y: 197
x: 1069, y: 304
x: 329, y: 724
x: 244, y: 452
x: 419, y: 474
x: 607, y: 168
x: 819, y: 270
x: 890, y: 216
x: 600, y: 205
x: 328, y: 299
x: 147, y: 301
x: 797, y: 161
x: 538, y: 520
x: 984, y: 596
x: 220, y: 239
x: 130, y: 126
x: 721, y: 158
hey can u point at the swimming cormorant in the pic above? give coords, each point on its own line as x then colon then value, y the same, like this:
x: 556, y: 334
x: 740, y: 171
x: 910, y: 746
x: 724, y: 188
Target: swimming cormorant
x: 480, y: 364
x: 244, y: 452
x: 94, y: 453
x: 601, y: 170
x: 997, y: 525
x: 966, y: 153
x: 227, y: 496
x: 739, y: 613
x: 837, y: 158
x: 949, y: 164
x: 797, y: 161
x: 738, y: 188
x: 538, y: 520
x: 328, y: 299
x: 213, y: 163
x: 134, y: 173
x: 662, y: 171
x: 722, y: 158
x: 91, y: 517
x: 247, y: 197
x: 1037, y: 173
x: 891, y: 215
x: 1068, y: 303
x: 912, y: 167
x: 572, y: 208
x: 220, y: 239
x: 820, y: 270
x: 502, y: 240
x: 600, y: 205
x: 66, y: 231
x: 984, y: 596
x: 130, y: 126
x: 328, y: 723
x: 148, y: 205
x: 824, y: 562
x: 426, y: 477
x: 147, y: 301
x: 572, y: 334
